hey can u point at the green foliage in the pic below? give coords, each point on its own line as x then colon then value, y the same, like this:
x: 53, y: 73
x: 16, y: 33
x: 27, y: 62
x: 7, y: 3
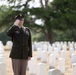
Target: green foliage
x: 68, y: 35
x: 58, y: 16
x: 38, y: 37
x: 68, y: 12
x: 4, y: 37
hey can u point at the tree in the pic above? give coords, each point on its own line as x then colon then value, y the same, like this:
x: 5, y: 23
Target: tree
x: 57, y: 15
x: 67, y: 10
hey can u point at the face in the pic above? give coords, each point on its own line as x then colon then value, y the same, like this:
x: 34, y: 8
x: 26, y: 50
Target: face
x: 21, y: 22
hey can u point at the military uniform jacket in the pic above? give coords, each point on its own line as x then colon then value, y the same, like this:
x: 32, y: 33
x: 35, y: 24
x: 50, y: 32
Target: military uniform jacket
x: 21, y: 37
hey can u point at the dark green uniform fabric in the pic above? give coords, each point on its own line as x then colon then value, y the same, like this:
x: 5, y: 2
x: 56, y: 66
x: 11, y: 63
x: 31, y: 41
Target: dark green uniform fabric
x: 22, y: 46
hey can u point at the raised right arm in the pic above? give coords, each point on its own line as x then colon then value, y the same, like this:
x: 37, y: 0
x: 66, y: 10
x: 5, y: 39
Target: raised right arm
x: 12, y: 28
x: 11, y: 31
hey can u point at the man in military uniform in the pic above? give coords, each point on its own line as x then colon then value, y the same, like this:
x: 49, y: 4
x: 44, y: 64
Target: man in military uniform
x: 22, y: 47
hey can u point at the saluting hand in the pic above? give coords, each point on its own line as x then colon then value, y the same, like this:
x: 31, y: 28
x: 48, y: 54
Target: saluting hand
x: 17, y: 22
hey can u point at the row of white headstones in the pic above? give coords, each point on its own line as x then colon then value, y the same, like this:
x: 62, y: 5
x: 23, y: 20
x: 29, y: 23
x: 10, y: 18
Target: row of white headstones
x: 43, y: 49
x: 2, y: 60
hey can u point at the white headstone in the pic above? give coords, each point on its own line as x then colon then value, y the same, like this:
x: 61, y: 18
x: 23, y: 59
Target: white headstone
x: 74, y: 69
x: 2, y: 55
x: 54, y: 72
x: 44, y: 57
x: 52, y: 61
x: 41, y: 69
x: 71, y: 50
x: 61, y: 65
x: 64, y: 47
x: 1, y: 47
x: 39, y: 45
x: 32, y: 64
x: 2, y: 59
x: 1, y: 51
x: 39, y: 51
x: 63, y: 54
x: 1, y: 43
x: 9, y: 44
x: 71, y: 44
x: 56, y: 52
x: 73, y: 58
x: 53, y: 45
x: 44, y: 47
x: 35, y: 45
x: 75, y: 45
x: 2, y: 68
x: 50, y: 49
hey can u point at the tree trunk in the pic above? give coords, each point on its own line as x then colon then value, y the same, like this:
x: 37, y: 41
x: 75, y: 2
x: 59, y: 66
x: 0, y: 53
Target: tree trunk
x: 41, y: 3
x: 49, y: 33
x: 50, y: 36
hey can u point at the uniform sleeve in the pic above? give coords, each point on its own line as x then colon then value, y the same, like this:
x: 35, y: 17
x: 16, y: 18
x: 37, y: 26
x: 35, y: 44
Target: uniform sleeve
x: 30, y: 45
x: 10, y: 31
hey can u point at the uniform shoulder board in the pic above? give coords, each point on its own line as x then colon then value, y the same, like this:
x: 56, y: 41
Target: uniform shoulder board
x: 26, y: 28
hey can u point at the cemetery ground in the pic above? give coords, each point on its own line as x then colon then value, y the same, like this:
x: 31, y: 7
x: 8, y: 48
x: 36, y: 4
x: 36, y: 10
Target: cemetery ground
x: 68, y: 69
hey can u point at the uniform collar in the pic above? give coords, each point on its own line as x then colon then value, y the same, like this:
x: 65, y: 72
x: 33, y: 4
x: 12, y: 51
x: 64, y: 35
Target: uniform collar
x: 20, y: 27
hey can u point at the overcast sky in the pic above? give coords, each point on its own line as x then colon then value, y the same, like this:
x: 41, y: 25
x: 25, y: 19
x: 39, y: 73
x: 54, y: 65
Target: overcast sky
x: 33, y: 3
